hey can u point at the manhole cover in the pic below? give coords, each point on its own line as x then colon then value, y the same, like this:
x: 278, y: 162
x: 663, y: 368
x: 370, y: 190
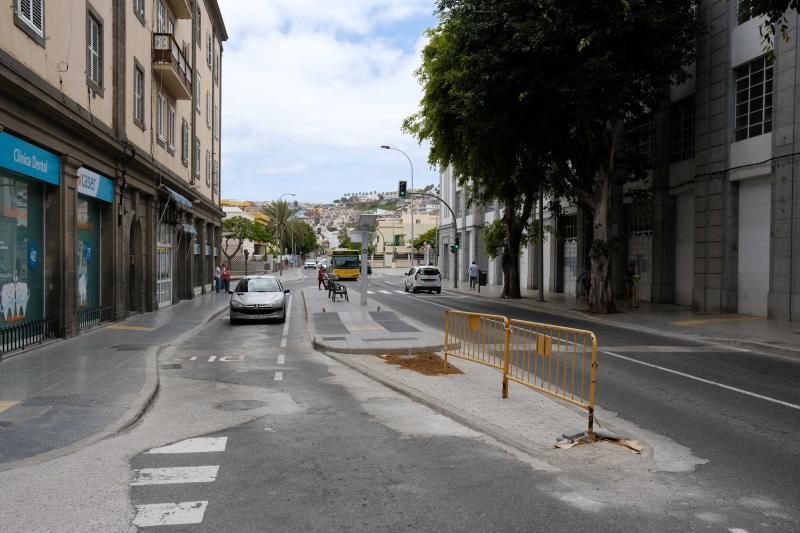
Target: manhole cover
x: 42, y: 401
x: 239, y: 405
x: 130, y: 347
x: 171, y: 366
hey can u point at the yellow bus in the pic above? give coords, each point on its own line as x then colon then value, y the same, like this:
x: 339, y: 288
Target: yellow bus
x: 345, y: 264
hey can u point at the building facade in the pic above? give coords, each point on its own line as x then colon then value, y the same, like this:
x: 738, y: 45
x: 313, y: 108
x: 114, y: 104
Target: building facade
x: 712, y: 225
x: 109, y: 156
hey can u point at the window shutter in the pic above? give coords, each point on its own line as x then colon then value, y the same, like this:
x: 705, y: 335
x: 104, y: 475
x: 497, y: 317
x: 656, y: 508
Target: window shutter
x: 160, y: 117
x: 37, y: 14
x: 171, y: 126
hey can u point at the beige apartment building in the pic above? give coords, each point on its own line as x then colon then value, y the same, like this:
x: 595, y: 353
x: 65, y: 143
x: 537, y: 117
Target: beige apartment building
x: 393, y: 238
x: 109, y: 158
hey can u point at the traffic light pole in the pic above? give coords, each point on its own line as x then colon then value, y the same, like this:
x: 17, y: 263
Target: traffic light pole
x: 455, y: 226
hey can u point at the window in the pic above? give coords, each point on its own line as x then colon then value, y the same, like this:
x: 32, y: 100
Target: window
x: 743, y: 8
x: 29, y: 16
x: 94, y: 51
x: 138, y: 9
x: 161, y: 111
x: 197, y: 93
x: 458, y: 203
x: 138, y: 95
x: 208, y: 168
x: 753, y: 99
x: 208, y: 109
x: 216, y: 122
x: 161, y: 17
x: 199, y: 28
x: 185, y: 142
x: 215, y: 177
x: 196, y: 159
x: 209, y: 50
x: 682, y: 124
x: 171, y: 127
x: 216, y: 68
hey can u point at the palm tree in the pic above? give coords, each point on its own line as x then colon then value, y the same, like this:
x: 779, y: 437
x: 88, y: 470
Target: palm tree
x: 281, y: 217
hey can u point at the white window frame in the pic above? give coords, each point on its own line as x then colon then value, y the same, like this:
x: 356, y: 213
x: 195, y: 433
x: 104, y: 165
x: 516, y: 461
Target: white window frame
x: 759, y: 80
x: 161, y: 117
x: 208, y: 109
x: 216, y: 122
x: 185, y: 142
x: 197, y: 93
x: 171, y: 126
x: 94, y: 50
x: 30, y: 19
x: 208, y: 168
x: 196, y: 158
x: 138, y: 8
x: 138, y: 93
x: 209, y: 50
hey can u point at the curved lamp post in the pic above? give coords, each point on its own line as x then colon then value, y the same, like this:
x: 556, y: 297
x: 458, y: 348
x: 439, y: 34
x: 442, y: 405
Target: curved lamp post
x: 387, y: 147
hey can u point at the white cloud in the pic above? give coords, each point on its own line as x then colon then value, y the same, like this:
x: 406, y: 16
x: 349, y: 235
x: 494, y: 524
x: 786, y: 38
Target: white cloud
x: 311, y: 88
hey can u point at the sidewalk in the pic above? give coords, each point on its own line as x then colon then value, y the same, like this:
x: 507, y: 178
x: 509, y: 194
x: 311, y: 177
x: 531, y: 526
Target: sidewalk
x: 72, y: 392
x: 759, y: 333
x: 349, y: 327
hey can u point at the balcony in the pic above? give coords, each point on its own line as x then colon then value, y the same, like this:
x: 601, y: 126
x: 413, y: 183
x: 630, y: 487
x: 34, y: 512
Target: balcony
x: 171, y: 67
x: 182, y: 9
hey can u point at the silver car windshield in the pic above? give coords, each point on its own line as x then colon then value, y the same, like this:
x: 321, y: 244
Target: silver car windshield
x: 258, y: 285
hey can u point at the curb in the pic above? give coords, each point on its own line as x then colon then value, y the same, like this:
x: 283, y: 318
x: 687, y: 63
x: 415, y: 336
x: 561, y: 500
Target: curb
x: 472, y: 422
x: 325, y: 347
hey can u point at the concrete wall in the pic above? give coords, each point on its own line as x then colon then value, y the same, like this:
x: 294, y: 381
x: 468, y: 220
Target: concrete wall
x: 754, y: 244
x: 684, y: 248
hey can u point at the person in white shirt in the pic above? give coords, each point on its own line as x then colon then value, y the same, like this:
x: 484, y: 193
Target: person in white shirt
x: 217, y: 279
x: 472, y: 272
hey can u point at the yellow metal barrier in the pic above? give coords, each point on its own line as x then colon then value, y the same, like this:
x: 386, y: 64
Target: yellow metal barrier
x: 556, y: 360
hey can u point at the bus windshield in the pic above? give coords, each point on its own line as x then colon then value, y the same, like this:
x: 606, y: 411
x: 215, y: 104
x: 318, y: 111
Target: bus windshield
x: 345, y: 261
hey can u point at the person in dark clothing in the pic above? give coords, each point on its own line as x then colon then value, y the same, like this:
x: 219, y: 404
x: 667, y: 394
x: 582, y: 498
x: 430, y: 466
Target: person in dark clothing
x: 630, y: 274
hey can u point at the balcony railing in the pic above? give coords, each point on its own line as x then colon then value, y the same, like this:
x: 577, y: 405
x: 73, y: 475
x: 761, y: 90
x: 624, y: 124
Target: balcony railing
x: 168, y: 59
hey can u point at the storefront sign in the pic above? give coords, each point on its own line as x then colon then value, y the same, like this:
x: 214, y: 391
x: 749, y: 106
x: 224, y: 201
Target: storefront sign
x: 33, y: 255
x: 24, y: 158
x: 94, y: 185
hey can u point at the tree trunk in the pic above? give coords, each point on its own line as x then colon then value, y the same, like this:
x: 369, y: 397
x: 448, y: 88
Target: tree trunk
x: 601, y: 297
x: 515, y: 225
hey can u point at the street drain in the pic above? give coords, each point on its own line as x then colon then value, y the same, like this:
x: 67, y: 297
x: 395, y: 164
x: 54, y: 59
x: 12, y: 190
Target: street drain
x: 171, y: 366
x: 239, y: 405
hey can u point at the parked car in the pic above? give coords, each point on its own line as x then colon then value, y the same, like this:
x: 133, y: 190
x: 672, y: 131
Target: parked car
x: 310, y: 263
x: 258, y: 298
x: 423, y: 278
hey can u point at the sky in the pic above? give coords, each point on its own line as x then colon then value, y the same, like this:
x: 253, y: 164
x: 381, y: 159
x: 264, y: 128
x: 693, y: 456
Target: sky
x: 312, y: 88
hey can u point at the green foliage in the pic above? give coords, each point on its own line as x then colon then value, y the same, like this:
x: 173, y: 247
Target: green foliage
x: 494, y: 238
x: 305, y: 239
x: 281, y: 220
x: 429, y: 237
x: 240, y: 229
x: 775, y: 12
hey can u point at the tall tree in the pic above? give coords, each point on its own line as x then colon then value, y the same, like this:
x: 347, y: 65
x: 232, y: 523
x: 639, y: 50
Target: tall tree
x: 238, y: 230
x: 281, y: 219
x: 473, y: 113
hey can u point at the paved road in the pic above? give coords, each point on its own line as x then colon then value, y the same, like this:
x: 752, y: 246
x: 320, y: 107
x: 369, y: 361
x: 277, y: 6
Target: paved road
x: 703, y: 398
x: 354, y: 456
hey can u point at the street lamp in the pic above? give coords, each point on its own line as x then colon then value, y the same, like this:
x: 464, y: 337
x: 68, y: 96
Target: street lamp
x: 387, y: 147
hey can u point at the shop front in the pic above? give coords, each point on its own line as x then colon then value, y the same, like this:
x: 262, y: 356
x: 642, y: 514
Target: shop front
x: 26, y: 172
x: 95, y: 199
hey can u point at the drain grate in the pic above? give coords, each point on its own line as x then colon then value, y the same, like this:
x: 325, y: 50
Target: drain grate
x: 39, y: 401
x: 239, y: 405
x: 171, y: 366
x: 131, y: 347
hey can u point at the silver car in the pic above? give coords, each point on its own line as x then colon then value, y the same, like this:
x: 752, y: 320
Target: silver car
x: 258, y: 298
x: 423, y: 278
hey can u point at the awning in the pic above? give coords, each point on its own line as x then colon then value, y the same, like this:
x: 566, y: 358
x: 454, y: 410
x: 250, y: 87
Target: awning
x: 179, y: 199
x: 189, y: 229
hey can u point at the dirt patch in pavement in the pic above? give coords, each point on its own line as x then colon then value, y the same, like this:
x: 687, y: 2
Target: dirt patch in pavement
x: 427, y: 363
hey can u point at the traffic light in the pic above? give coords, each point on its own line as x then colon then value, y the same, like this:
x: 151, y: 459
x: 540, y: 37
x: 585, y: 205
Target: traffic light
x: 402, y: 190
x: 455, y: 246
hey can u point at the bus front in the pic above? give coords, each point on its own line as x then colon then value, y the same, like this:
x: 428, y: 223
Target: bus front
x: 345, y: 264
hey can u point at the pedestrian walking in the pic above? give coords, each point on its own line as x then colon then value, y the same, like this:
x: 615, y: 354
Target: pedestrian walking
x: 321, y: 277
x: 217, y: 278
x: 630, y: 277
x: 472, y: 272
x: 226, y: 278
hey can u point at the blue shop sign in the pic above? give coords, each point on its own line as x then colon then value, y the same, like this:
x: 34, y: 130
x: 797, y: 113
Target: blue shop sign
x: 29, y: 160
x: 94, y: 185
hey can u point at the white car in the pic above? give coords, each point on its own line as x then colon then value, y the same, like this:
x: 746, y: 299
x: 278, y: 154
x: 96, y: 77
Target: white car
x: 310, y: 263
x: 423, y: 278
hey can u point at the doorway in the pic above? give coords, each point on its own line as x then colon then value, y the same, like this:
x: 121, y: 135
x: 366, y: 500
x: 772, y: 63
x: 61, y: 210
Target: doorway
x: 134, y: 268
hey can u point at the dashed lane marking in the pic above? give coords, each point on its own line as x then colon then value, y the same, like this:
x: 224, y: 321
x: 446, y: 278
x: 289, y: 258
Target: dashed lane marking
x: 370, y: 292
x: 212, y: 358
x: 174, y: 475
x: 400, y: 292
x: 278, y: 376
x: 170, y: 514
x: 384, y: 292
x: 195, y: 445
x: 281, y: 359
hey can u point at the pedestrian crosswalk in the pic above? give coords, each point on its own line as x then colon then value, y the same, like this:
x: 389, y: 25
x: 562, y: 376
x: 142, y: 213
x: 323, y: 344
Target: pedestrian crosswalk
x: 180, y: 513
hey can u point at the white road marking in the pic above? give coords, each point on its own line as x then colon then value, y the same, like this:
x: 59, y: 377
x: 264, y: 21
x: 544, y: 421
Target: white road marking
x: 196, y: 445
x: 194, y: 358
x: 278, y: 376
x: 706, y: 381
x: 285, y: 336
x: 174, y: 475
x: 170, y: 514
x: 231, y: 358
x: 390, y: 282
x: 268, y: 429
x: 281, y: 359
x: 384, y: 292
x: 212, y: 358
x: 284, y: 342
x: 400, y: 292
x: 370, y: 292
